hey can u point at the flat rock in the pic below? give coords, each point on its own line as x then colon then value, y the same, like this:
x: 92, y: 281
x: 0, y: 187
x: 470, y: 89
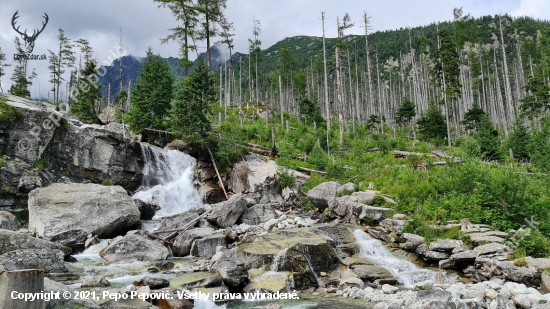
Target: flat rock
x: 134, y: 246
x: 445, y: 245
x: 51, y: 261
x: 538, y: 263
x: 67, y: 213
x: 10, y: 241
x: 491, y: 249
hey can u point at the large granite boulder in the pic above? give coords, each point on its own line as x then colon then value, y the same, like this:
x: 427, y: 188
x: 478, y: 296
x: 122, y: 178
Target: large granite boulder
x: 51, y: 261
x: 225, y: 214
x: 232, y: 269
x: 65, y: 148
x: 134, y: 246
x: 258, y: 214
x: 304, y: 251
x: 10, y: 241
x: 323, y: 194
x: 67, y: 213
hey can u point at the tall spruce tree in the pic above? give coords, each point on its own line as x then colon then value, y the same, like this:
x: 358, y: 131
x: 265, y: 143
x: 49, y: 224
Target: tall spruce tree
x: 447, y: 73
x: 192, y: 111
x: 2, y: 67
x: 151, y: 97
x: 473, y: 117
x: 539, y: 99
x: 88, y: 94
x: 21, y: 82
x: 519, y: 141
x: 488, y: 139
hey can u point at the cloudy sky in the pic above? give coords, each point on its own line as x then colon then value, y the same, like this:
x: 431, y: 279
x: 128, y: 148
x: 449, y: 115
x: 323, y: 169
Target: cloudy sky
x: 143, y: 23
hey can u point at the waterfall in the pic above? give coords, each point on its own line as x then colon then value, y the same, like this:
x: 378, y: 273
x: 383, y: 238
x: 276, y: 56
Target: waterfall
x: 168, y: 181
x: 406, y: 272
x: 278, y: 260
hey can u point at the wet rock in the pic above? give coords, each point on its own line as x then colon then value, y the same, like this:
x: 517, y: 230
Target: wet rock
x: 134, y: 246
x: 51, y: 261
x: 225, y: 214
x: 193, y: 280
x: 302, y: 251
x: 147, y: 211
x: 412, y: 241
x: 95, y: 282
x: 67, y: 213
x: 269, y: 282
x: 231, y: 268
x: 257, y: 214
x: 424, y: 285
x: 436, y: 255
x: 173, y: 301
x: 364, y: 273
x: 153, y: 283
x: 8, y: 221
x: 164, y: 265
x: 321, y: 195
x: 206, y: 246
x: 182, y: 244
x: 10, y: 241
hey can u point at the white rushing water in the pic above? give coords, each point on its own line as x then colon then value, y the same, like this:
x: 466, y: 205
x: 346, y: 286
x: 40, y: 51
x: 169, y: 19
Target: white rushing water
x: 168, y: 181
x: 92, y: 253
x: 406, y: 272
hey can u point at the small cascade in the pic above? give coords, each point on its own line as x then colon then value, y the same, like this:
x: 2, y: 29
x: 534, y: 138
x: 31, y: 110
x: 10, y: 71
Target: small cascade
x: 406, y: 272
x: 278, y: 260
x: 306, y: 255
x: 168, y: 181
x: 92, y: 253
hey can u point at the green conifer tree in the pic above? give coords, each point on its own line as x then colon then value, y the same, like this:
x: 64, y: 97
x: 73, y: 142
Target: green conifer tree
x: 488, y: 138
x: 152, y: 95
x: 87, y: 95
x: 192, y: 111
x: 432, y: 126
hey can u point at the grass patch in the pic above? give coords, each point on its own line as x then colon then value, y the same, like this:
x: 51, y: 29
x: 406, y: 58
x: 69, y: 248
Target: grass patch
x: 344, y: 192
x: 107, y: 182
x: 40, y: 165
x: 22, y: 216
x: 286, y: 180
x: 8, y: 112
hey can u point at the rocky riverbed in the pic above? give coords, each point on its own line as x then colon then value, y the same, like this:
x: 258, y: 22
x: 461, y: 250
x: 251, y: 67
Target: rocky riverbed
x: 160, y: 226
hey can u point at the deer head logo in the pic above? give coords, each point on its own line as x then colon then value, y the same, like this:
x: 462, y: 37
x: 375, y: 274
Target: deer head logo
x: 29, y: 40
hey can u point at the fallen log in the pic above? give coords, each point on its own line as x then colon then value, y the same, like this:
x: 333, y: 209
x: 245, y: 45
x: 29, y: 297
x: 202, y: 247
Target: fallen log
x: 312, y: 171
x: 217, y: 173
x: 404, y: 154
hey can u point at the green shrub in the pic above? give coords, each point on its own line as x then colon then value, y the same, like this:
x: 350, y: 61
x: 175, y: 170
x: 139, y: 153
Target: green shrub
x: 378, y: 201
x: 534, y: 244
x: 318, y: 158
x: 286, y: 180
x: 107, y: 182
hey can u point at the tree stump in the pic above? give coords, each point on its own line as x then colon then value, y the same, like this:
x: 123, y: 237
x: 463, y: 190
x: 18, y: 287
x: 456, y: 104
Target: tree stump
x: 465, y: 224
x: 21, y: 281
